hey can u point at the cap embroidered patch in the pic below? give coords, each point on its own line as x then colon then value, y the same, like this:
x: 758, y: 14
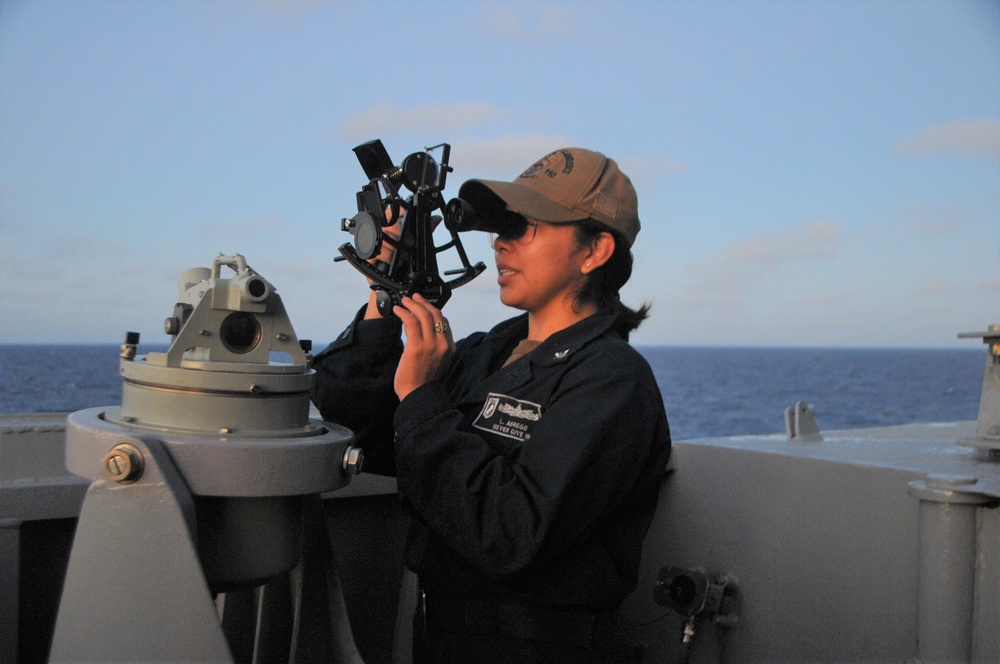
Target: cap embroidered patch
x: 607, y: 205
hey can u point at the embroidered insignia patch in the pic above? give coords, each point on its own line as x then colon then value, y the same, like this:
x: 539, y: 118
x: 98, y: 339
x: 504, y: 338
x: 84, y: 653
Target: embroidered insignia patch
x: 508, y: 417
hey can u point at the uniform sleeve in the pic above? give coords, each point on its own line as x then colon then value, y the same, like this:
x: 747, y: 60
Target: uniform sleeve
x: 354, y: 386
x: 596, y: 440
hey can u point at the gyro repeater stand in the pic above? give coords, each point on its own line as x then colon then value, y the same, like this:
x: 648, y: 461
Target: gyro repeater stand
x: 198, y: 478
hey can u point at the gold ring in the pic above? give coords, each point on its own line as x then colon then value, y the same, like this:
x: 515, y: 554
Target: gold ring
x: 441, y: 327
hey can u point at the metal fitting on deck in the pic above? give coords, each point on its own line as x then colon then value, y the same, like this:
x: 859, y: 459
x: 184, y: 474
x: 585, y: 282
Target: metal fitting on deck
x: 946, y: 567
x: 988, y: 424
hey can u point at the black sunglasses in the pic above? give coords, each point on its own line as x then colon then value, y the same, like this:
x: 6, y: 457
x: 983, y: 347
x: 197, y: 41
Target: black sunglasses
x: 516, y: 228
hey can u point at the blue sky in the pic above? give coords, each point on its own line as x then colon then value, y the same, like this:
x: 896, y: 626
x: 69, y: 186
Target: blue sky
x: 809, y: 173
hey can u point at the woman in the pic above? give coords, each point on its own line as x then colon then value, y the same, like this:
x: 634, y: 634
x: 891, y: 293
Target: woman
x: 528, y: 458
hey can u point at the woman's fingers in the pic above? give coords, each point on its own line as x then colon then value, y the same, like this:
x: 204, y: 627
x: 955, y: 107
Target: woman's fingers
x: 426, y: 321
x: 429, y: 346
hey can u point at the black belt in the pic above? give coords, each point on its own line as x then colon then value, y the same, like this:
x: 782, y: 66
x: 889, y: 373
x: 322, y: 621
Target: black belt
x: 509, y: 617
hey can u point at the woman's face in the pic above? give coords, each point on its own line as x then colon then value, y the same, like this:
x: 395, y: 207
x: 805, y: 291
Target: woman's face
x: 542, y: 274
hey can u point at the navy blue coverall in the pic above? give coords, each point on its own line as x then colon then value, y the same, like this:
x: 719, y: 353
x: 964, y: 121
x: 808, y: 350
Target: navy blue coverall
x: 530, y: 485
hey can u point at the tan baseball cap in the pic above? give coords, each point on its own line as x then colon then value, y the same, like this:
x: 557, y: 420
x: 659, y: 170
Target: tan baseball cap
x: 567, y: 185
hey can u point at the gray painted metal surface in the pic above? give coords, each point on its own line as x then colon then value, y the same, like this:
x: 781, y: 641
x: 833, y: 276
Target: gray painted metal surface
x: 134, y: 588
x: 828, y: 548
x: 221, y: 465
x: 823, y: 539
x: 35, y: 488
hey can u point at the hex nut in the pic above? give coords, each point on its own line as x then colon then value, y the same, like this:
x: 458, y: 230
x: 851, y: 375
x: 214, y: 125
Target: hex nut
x: 354, y: 458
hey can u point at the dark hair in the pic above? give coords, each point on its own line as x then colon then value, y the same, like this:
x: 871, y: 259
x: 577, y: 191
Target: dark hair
x: 602, y: 285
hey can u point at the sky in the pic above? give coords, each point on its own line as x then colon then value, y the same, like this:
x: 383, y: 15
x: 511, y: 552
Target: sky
x: 809, y: 173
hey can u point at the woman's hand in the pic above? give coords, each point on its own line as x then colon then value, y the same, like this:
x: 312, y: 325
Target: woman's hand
x: 429, y: 345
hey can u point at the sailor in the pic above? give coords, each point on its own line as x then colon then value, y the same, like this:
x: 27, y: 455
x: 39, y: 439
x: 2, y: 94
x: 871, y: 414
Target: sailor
x: 529, y: 457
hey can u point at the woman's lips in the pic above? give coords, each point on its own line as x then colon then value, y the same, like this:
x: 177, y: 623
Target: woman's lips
x: 504, y: 274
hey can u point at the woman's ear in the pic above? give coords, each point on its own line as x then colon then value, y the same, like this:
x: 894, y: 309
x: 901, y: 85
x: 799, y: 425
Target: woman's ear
x: 600, y: 252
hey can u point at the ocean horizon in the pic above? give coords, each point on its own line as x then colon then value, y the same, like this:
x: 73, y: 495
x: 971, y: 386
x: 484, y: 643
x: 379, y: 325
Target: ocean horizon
x: 708, y: 391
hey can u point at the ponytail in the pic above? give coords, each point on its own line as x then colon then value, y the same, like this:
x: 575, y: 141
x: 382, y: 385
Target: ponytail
x: 602, y: 285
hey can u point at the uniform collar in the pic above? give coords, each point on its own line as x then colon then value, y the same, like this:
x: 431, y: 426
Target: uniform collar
x: 560, y: 346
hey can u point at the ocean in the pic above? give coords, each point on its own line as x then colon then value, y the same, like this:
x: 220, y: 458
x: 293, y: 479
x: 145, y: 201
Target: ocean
x: 707, y: 391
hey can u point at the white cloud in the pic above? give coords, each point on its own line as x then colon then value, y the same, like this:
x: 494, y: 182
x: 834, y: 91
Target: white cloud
x: 990, y: 285
x: 78, y: 251
x: 287, y: 8
x: 936, y: 289
x: 252, y: 226
x: 766, y: 251
x: 944, y: 227
x: 499, y: 156
x: 302, y: 269
x: 834, y: 299
x: 970, y: 138
x: 378, y: 120
x: 528, y: 23
x: 503, y: 157
x: 654, y: 166
x: 647, y: 171
x: 933, y: 220
x: 723, y: 278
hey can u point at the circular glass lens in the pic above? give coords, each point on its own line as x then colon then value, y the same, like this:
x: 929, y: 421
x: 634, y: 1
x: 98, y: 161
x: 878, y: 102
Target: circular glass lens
x: 240, y: 332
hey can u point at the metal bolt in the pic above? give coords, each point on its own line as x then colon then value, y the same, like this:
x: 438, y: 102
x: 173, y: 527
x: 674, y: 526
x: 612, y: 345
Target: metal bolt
x: 117, y: 464
x: 124, y: 463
